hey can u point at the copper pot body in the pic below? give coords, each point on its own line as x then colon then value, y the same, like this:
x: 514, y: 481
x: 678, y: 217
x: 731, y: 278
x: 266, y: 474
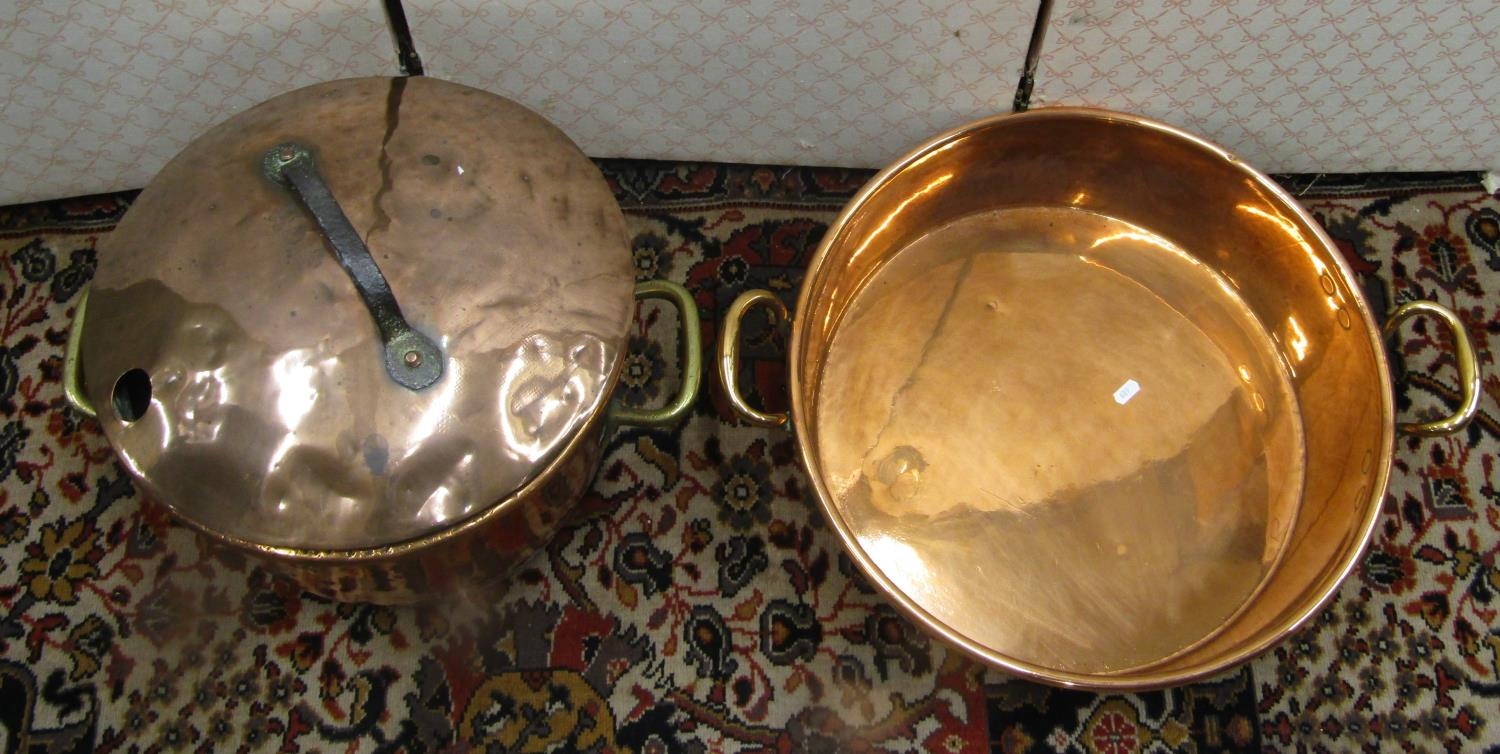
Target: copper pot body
x: 1035, y: 455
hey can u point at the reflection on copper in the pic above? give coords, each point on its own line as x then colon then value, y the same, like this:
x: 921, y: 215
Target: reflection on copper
x: 1150, y: 238
x: 295, y: 391
x: 1161, y: 243
x: 896, y: 555
x: 1333, y: 300
x: 438, y: 410
x: 287, y: 443
x: 1298, y: 342
x: 835, y: 292
x: 447, y: 503
x: 886, y: 222
x: 204, y: 391
x: 917, y: 163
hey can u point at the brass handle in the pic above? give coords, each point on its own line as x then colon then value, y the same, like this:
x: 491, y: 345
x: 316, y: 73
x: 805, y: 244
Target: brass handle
x: 72, y: 369
x: 729, y: 354
x: 1468, y: 368
x: 692, y: 360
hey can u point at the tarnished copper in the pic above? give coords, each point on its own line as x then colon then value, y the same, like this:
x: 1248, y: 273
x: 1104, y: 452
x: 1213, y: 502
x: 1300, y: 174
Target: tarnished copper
x: 241, y: 378
x: 1090, y: 399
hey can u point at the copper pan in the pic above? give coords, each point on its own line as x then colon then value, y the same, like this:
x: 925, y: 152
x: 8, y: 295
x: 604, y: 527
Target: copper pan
x: 1091, y: 399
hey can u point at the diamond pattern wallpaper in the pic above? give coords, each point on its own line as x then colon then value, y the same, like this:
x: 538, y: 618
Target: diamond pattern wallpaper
x: 1335, y: 86
x: 807, y: 82
x: 96, y: 95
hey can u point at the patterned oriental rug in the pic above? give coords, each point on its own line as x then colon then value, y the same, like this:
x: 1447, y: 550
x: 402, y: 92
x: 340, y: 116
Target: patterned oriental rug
x: 699, y: 603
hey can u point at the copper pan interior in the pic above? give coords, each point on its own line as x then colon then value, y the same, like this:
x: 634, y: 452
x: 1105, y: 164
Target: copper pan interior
x: 1225, y: 216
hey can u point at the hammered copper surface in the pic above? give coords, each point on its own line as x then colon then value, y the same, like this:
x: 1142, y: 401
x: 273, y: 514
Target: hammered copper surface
x: 987, y: 522
x: 1120, y: 402
x: 472, y: 557
x: 271, y: 418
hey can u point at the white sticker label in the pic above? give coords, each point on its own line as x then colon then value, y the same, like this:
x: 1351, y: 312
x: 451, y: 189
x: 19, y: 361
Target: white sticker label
x: 1127, y: 391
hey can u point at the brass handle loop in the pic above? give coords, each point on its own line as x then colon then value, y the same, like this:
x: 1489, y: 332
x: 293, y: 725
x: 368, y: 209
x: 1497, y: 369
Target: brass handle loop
x: 72, y: 376
x: 691, y: 338
x: 1468, y: 368
x: 729, y: 354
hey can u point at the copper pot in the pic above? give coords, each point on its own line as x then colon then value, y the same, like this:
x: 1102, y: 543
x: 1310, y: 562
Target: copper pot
x: 1091, y: 399
x: 368, y: 331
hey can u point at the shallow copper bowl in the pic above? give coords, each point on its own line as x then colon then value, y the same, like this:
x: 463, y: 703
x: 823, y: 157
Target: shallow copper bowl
x: 1058, y: 587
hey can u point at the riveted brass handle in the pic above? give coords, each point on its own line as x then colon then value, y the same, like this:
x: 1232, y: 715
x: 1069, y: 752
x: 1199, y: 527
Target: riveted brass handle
x: 1468, y: 368
x: 729, y: 354
x: 692, y: 360
x: 72, y: 375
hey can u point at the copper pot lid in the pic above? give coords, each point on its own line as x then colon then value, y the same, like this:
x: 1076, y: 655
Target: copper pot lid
x: 358, y: 314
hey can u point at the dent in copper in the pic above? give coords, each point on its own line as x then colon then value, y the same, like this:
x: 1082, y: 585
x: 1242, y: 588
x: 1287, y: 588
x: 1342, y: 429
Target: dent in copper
x: 271, y: 420
x: 991, y: 467
x: 471, y: 558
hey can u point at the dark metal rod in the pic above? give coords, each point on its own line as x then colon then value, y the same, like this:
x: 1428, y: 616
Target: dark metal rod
x: 1033, y: 57
x: 406, y: 51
